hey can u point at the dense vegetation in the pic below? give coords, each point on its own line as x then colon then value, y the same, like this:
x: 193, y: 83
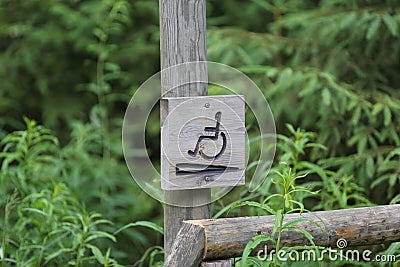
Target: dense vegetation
x: 329, y: 68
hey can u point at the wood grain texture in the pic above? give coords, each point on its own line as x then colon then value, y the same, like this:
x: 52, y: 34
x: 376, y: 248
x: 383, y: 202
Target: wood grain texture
x: 181, y: 131
x: 217, y: 263
x: 174, y: 215
x: 188, y: 249
x: 227, y: 238
x: 183, y: 39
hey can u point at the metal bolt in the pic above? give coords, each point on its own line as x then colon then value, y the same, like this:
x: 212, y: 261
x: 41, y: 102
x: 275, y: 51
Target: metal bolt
x: 207, y: 105
x: 207, y: 178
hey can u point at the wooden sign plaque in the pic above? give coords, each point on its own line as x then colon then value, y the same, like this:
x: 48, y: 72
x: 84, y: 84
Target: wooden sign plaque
x: 202, y: 142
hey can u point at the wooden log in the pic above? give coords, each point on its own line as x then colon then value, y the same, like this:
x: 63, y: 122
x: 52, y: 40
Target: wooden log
x: 174, y: 215
x: 227, y: 238
x: 190, y: 251
x: 183, y: 39
x: 217, y: 263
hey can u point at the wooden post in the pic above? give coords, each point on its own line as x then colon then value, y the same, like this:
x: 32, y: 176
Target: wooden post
x: 183, y: 39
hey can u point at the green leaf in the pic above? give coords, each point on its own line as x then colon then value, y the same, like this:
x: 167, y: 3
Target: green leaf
x: 316, y: 145
x: 393, y: 179
x: 252, y: 244
x: 395, y: 200
x: 310, y: 87
x: 326, y: 96
x: 56, y: 254
x: 356, y: 116
x: 97, y: 253
x: 393, y: 153
x: 264, y: 4
x: 391, y: 23
x: 147, y: 224
x: 305, y: 233
x: 287, y: 204
x: 244, y: 55
x: 229, y: 207
x: 381, y: 179
x: 148, y: 254
x: 377, y: 108
x: 370, y: 168
x: 362, y: 145
x: 277, y: 222
x: 100, y: 234
x: 373, y: 28
x: 294, y: 222
x: 387, y: 116
x: 291, y: 128
x: 37, y: 211
x: 301, y: 206
x: 254, y: 204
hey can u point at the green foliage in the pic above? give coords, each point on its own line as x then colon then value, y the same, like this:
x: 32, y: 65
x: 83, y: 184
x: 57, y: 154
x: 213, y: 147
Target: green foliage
x: 52, y: 50
x: 43, y: 223
x: 329, y: 67
x: 60, y: 230
x: 73, y: 58
x: 29, y: 157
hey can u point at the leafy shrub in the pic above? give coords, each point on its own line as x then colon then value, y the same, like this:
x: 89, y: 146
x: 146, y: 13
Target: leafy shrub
x: 43, y: 223
x: 329, y: 68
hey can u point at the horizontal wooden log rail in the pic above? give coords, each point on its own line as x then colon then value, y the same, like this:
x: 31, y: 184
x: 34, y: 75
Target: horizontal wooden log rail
x: 200, y: 240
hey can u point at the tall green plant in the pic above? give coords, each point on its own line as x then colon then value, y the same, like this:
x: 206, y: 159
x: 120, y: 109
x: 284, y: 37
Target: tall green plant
x: 286, y: 182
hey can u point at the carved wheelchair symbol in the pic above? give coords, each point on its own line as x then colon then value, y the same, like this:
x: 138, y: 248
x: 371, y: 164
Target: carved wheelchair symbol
x: 216, y: 133
x: 203, y: 142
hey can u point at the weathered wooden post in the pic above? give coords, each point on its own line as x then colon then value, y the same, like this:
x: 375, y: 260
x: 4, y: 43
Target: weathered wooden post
x: 183, y: 39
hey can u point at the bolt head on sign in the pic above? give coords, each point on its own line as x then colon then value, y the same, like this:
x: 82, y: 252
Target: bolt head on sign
x: 203, y: 142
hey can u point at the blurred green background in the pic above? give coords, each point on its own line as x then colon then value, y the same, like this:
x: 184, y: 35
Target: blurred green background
x: 327, y: 67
